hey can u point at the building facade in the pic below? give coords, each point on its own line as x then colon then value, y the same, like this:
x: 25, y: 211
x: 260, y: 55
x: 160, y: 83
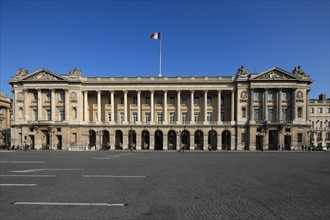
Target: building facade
x: 264, y: 111
x: 5, y: 109
x: 319, y: 117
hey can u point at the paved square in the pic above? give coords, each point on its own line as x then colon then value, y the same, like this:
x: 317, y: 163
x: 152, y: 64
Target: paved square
x: 164, y: 185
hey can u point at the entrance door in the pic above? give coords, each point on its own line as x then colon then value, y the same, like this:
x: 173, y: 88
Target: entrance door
x: 273, y: 140
x: 171, y: 139
x: 259, y: 142
x: 145, y: 142
x: 287, y: 142
x: 225, y: 140
x: 59, y: 141
x: 158, y: 140
x: 92, y: 138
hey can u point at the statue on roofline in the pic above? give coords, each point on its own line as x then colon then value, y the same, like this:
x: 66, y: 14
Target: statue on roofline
x: 242, y: 72
x: 75, y: 73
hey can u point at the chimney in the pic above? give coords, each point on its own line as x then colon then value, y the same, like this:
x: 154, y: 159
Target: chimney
x: 322, y: 97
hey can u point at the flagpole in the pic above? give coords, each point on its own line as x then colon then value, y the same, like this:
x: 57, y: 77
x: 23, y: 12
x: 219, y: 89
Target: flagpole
x: 160, y: 54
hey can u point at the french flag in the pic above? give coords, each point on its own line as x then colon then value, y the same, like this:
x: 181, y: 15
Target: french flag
x: 155, y: 36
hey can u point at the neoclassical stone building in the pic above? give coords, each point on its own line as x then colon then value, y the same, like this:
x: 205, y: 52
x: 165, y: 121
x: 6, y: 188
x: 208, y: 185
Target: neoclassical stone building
x: 245, y: 111
x: 319, y: 117
x: 5, y: 108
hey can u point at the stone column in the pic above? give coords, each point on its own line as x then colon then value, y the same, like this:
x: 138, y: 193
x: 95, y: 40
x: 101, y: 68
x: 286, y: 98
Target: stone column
x: 98, y: 106
x: 178, y: 107
x: 265, y: 105
x: 165, y: 145
x: 152, y: 107
x: 53, y: 105
x: 138, y: 140
x: 125, y: 106
x: 232, y: 106
x: 178, y: 141
x: 251, y: 111
x: 219, y: 140
x: 39, y: 105
x: 192, y: 112
x: 205, y: 107
x: 293, y: 104
x: 86, y: 106
x: 139, y: 109
x: 112, y: 106
x: 219, y: 107
x: 205, y: 141
x: 192, y: 141
x: 66, y: 105
x: 151, y: 140
x: 165, y: 107
x: 279, y: 105
x: 26, y: 107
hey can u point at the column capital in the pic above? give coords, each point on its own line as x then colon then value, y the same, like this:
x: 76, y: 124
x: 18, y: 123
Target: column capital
x: 152, y: 91
x: 125, y: 91
x: 192, y: 91
x: 98, y: 91
x: 219, y: 90
x: 165, y: 91
x: 138, y: 91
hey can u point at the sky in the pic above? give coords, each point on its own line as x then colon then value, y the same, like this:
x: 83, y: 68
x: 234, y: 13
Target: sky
x: 199, y: 38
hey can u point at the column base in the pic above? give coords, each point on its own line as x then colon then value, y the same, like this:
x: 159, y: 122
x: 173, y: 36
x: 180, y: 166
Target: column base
x: 219, y: 123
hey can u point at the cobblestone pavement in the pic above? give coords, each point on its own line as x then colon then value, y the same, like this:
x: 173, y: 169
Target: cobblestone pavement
x: 165, y: 185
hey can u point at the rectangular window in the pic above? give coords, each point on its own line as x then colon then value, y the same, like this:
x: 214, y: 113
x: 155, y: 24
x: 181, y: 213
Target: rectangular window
x: 74, y: 138
x: 321, y: 124
x: 159, y: 100
x: 62, y: 115
x: 257, y: 115
x: 135, y: 100
x: 256, y: 96
x: 148, y: 100
x: 172, y: 100
x: 209, y: 116
x: 222, y: 101
x: 319, y: 136
x: 184, y: 101
x: 311, y: 110
x: 122, y: 100
x: 135, y: 116
x: 284, y: 114
x: 209, y: 100
x: 184, y: 117
x: 172, y: 117
x: 327, y: 136
x: 109, y: 116
x: 35, y: 96
x: 196, y: 100
x: 48, y: 114
x: 159, y: 117
x: 284, y: 96
x: 48, y: 97
x: 270, y: 114
x: 122, y: 116
x: 147, y: 116
x: 196, y: 116
x: 222, y: 116
x: 319, y: 110
x: 243, y: 137
x: 271, y: 96
x: 328, y: 110
x: 312, y: 124
x: 35, y: 114
x: 62, y: 96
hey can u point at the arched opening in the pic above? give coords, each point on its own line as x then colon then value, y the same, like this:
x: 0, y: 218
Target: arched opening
x: 185, y: 139
x: 92, y: 138
x: 199, y: 140
x: 145, y: 140
x: 119, y: 140
x: 259, y: 142
x: 105, y: 140
x: 74, y: 112
x: 20, y: 113
x: 225, y: 145
x: 131, y: 139
x: 212, y: 139
x: 171, y: 140
x: 158, y: 140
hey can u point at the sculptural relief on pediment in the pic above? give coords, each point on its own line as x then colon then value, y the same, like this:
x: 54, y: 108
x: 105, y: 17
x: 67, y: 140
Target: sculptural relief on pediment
x: 274, y: 75
x: 43, y: 76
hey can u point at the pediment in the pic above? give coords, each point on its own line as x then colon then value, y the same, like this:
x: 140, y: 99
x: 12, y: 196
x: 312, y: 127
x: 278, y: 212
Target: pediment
x: 275, y: 74
x: 43, y: 75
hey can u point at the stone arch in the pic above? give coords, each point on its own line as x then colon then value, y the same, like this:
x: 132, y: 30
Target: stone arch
x: 158, y: 140
x: 119, y: 140
x: 226, y: 142
x: 171, y: 140
x: 185, y: 139
x: 92, y: 138
x: 145, y: 140
x: 212, y: 139
x: 105, y: 140
x: 199, y: 140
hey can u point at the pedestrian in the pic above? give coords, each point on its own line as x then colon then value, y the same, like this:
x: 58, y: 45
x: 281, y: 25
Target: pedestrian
x: 209, y: 147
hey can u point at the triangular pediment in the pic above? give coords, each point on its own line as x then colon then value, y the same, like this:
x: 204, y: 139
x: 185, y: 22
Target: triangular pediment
x: 275, y: 74
x: 42, y: 75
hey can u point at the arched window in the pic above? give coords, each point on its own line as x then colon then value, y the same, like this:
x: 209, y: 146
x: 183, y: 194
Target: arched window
x: 300, y: 112
x: 243, y: 112
x: 74, y: 112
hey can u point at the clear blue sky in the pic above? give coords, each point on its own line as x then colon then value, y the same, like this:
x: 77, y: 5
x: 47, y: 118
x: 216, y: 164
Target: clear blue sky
x: 112, y: 38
